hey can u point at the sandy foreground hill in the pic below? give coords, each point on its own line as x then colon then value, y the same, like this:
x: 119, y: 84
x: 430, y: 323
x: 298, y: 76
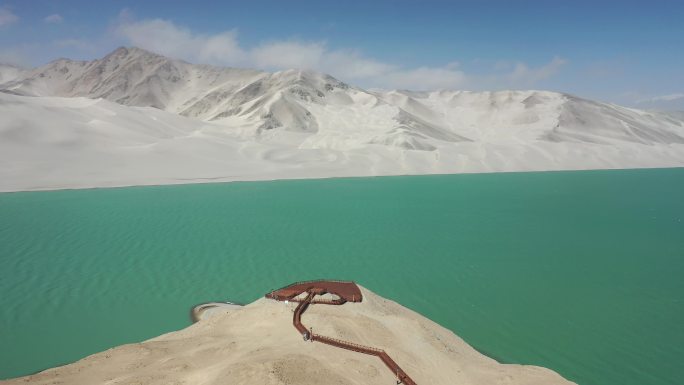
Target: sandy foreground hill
x: 257, y: 344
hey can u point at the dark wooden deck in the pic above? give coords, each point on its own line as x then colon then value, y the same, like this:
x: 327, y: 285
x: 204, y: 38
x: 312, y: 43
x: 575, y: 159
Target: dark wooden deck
x: 344, y: 291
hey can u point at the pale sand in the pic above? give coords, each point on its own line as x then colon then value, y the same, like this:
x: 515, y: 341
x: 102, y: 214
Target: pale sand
x: 257, y: 344
x: 210, y: 309
x: 49, y: 143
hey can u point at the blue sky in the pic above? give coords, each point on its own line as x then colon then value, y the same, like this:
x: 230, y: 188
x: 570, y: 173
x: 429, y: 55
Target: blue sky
x: 618, y: 51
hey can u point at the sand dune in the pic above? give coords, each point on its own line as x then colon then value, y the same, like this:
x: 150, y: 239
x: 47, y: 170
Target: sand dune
x: 137, y: 118
x: 54, y: 143
x: 257, y: 344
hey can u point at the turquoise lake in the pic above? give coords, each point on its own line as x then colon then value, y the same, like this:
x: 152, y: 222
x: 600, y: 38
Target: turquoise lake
x: 581, y: 272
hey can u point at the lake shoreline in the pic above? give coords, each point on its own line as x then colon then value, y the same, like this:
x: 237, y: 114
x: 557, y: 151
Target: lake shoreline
x: 527, y: 267
x: 246, y: 343
x: 352, y: 177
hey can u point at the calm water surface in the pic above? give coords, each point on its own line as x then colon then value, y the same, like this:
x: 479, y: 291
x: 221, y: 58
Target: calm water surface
x: 581, y: 272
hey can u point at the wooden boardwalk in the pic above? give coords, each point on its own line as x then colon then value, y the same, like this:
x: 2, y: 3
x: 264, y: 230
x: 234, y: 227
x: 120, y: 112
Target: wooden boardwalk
x: 345, y: 291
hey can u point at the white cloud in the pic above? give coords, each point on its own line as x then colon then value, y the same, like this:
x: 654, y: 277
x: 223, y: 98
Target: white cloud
x: 667, y: 102
x: 54, y: 19
x: 662, y: 98
x: 166, y: 38
x: 287, y: 54
x: 81, y: 45
x: 515, y: 74
x: 353, y: 65
x: 425, y: 78
x: 16, y: 56
x: 526, y: 75
x: 7, y: 17
x: 217, y: 48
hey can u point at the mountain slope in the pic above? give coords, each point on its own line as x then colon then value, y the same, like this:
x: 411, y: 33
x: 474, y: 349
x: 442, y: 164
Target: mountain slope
x: 134, y: 117
x: 130, y: 76
x: 52, y: 143
x: 259, y: 100
x: 9, y: 73
x: 303, y: 101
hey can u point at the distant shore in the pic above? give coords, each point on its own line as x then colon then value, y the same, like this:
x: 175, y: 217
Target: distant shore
x: 203, y: 181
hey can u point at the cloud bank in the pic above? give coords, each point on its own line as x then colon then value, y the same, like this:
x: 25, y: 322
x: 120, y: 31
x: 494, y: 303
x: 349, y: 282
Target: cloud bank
x: 224, y: 48
x: 663, y: 98
x: 54, y: 19
x: 7, y: 17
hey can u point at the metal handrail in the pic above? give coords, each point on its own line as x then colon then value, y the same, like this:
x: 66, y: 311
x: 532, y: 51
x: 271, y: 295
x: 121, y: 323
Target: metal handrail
x: 402, y: 377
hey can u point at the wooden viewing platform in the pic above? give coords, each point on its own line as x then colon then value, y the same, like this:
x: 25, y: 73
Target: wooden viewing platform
x: 345, y: 291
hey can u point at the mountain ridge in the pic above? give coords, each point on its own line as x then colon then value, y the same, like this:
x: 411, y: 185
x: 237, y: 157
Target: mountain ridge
x: 282, y: 100
x: 133, y: 117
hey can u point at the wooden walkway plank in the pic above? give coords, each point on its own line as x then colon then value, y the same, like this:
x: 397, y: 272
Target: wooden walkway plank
x: 346, y: 291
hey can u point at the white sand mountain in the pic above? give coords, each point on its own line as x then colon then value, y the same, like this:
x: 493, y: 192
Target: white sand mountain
x: 133, y: 77
x: 247, y: 124
x: 257, y: 344
x: 262, y: 100
x: 9, y: 72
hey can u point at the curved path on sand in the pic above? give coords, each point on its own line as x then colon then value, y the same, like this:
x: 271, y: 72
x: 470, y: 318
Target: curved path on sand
x: 346, y: 291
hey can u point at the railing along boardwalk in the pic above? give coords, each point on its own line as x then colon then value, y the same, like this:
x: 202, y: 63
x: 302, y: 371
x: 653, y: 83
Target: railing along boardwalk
x: 347, y: 292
